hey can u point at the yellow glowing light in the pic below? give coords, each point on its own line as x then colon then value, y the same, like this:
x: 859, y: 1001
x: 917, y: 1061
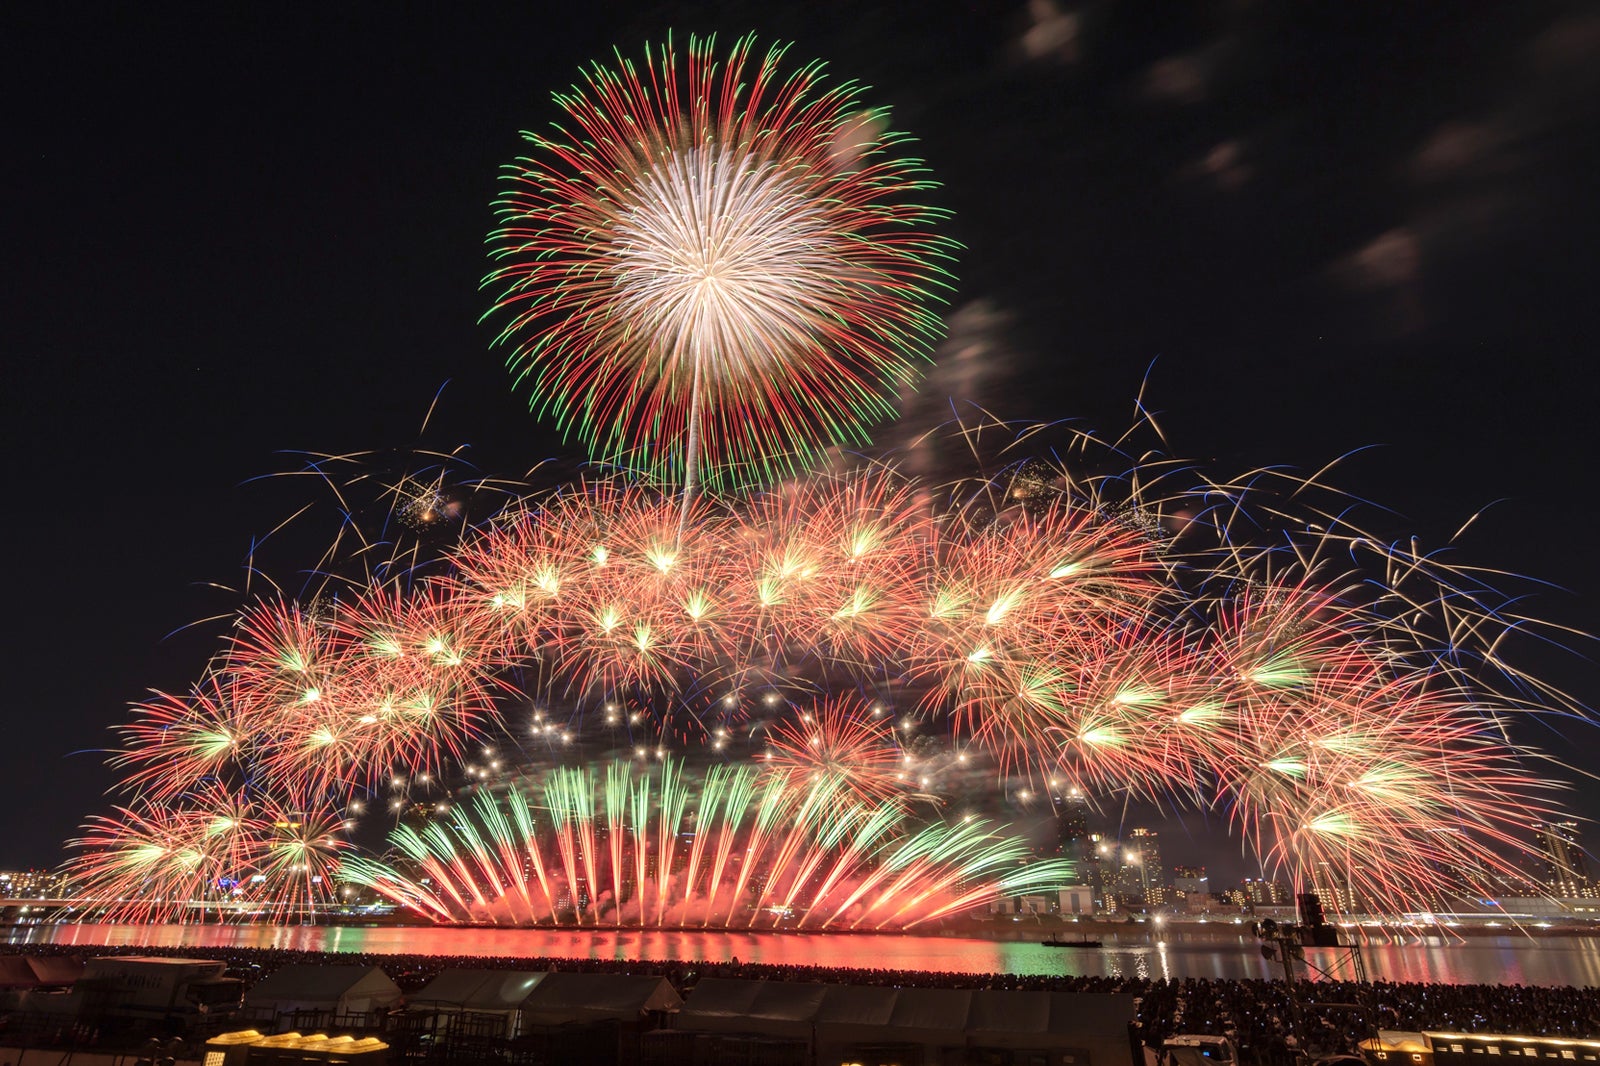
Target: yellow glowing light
x: 860, y: 600
x: 386, y: 645
x: 863, y: 541
x: 946, y: 602
x: 547, y: 581
x: 1003, y: 606
x: 1332, y: 825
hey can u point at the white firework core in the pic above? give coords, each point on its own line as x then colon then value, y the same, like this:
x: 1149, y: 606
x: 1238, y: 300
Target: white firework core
x: 719, y: 258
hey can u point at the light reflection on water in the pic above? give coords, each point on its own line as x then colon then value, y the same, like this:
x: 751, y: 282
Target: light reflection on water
x: 1480, y: 960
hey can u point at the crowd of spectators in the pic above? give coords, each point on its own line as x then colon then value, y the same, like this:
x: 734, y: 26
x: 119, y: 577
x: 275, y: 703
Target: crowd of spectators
x: 1262, y: 1018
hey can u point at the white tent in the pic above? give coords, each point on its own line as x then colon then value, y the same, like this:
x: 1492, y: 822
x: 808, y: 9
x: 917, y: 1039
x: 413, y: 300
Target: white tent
x: 930, y: 1017
x: 331, y: 989
x: 16, y: 973
x: 771, y: 1008
x: 524, y: 998
x: 56, y: 971
x: 715, y: 999
x: 1080, y: 1029
x: 582, y: 997
x: 479, y: 990
x: 926, y: 1015
x: 35, y: 971
x: 853, y: 1005
x: 1095, y: 1021
x: 484, y: 992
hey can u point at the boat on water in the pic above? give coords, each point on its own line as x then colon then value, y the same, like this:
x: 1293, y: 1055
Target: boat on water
x: 1057, y: 942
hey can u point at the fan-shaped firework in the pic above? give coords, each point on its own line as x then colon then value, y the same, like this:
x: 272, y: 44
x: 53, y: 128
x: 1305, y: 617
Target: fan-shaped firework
x: 719, y: 268
x: 745, y: 848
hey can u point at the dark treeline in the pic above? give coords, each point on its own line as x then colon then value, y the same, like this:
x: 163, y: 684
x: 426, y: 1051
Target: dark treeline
x: 1257, y: 1014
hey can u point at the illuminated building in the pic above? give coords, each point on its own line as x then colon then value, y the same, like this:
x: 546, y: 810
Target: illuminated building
x: 1073, y: 838
x: 1140, y: 876
x: 33, y: 884
x: 1260, y: 892
x: 1565, y: 867
x: 1190, y: 879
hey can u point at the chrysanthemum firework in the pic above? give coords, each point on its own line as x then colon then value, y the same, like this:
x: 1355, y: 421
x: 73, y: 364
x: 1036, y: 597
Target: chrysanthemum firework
x: 718, y: 269
x: 217, y: 854
x: 844, y: 744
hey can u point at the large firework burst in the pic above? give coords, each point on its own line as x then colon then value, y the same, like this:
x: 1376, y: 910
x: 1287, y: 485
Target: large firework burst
x: 719, y: 269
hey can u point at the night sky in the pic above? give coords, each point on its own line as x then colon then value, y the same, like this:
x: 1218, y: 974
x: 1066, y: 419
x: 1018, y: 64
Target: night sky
x: 243, y: 232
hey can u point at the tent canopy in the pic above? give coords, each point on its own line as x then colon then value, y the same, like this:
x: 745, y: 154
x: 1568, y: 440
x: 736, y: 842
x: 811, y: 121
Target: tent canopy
x: 16, y: 973
x: 34, y: 971
x: 343, y: 989
x: 787, y: 1001
x: 565, y: 997
x: 1009, y: 1012
x: 56, y: 969
x: 720, y: 997
x: 931, y: 1010
x: 480, y: 991
x: 1093, y: 1022
x: 857, y: 1005
x: 1079, y: 1012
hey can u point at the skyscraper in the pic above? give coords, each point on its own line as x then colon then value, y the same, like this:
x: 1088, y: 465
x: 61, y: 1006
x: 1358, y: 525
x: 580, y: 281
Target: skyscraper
x: 1191, y: 889
x: 1190, y: 879
x: 1565, y: 866
x: 1258, y: 891
x: 1072, y: 826
x: 1141, y: 876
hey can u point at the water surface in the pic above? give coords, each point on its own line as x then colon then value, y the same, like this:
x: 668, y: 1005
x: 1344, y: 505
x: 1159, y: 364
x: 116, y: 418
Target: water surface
x: 1477, y: 960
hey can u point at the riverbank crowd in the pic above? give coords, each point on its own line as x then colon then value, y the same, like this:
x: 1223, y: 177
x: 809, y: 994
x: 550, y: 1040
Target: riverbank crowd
x: 1261, y: 1017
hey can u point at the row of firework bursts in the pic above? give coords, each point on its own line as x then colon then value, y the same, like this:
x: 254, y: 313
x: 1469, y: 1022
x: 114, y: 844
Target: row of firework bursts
x: 714, y: 273
x: 1046, y: 633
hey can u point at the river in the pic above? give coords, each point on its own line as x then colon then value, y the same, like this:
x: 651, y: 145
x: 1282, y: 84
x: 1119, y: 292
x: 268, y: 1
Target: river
x: 1219, y: 953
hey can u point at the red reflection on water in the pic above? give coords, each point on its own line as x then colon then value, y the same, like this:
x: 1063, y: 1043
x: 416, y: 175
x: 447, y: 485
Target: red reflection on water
x: 1486, y: 960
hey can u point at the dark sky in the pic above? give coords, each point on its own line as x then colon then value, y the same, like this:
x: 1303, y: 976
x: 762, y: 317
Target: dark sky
x: 242, y: 231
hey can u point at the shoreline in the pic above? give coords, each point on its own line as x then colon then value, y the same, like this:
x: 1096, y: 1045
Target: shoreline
x: 1119, y: 932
